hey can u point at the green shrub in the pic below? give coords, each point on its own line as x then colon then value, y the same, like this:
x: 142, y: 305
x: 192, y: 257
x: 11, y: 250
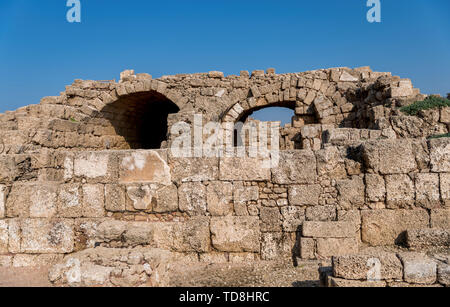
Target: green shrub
x: 440, y: 136
x: 429, y: 103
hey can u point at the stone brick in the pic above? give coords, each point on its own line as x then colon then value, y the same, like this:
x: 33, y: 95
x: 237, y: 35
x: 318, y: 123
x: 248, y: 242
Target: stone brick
x: 443, y: 274
x: 166, y: 199
x: 362, y: 267
x: 194, y: 169
x: 93, y: 200
x: 295, y: 167
x: 423, y: 238
x: 328, y: 229
x: 327, y: 247
x: 69, y: 201
x: 276, y: 246
x: 32, y: 200
x: 439, y: 155
x: 418, y: 268
x: 192, y: 198
x: 387, y: 227
x: 440, y: 218
x: 321, y: 213
x: 270, y: 219
x: 40, y: 236
x: 445, y: 188
x: 247, y: 169
x: 141, y: 197
x: 334, y: 282
x: 144, y: 167
x: 351, y: 192
x: 243, y: 194
x: 3, y: 191
x: 115, y: 198
x: 235, y: 233
x: 293, y: 218
x: 191, y: 236
x: 330, y: 163
x: 219, y: 198
x: 307, y: 248
x: 390, y: 156
x: 375, y: 188
x: 427, y: 190
x: 304, y: 195
x: 400, y: 190
x: 4, y: 237
x: 95, y: 166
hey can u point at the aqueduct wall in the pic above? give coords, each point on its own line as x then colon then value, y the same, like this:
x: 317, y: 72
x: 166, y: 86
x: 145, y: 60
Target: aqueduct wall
x: 80, y: 179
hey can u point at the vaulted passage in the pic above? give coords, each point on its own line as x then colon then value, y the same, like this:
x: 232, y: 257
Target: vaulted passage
x: 141, y: 119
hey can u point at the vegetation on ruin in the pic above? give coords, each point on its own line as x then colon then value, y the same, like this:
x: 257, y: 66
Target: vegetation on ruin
x: 431, y: 102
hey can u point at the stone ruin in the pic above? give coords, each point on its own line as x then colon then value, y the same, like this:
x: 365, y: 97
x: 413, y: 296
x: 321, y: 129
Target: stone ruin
x: 91, y: 195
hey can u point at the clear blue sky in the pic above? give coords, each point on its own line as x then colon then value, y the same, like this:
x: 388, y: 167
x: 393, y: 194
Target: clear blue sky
x: 40, y: 52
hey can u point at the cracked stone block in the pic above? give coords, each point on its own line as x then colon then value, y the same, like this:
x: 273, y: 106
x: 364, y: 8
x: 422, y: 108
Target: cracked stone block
x: 219, y: 197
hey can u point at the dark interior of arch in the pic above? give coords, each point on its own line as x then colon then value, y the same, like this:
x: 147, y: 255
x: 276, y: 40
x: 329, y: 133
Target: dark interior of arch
x: 141, y: 118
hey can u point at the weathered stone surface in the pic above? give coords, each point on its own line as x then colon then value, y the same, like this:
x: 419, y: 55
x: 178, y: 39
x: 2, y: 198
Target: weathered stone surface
x: 307, y: 248
x: 166, y: 199
x: 422, y: 238
x: 93, y: 200
x: 334, y: 282
x: 351, y: 192
x: 364, y: 267
x: 400, y: 190
x: 418, y: 268
x: 293, y: 218
x: 304, y: 195
x: 275, y: 245
x: 115, y: 199
x: 375, y: 188
x: 192, y: 236
x: 32, y: 200
x: 95, y: 165
x: 328, y: 229
x: 194, y: 169
x: 192, y: 198
x: 270, y: 219
x: 2, y: 200
x: 440, y: 218
x: 445, y: 188
x: 331, y: 163
x: 321, y: 213
x: 427, y: 190
x: 144, y: 167
x: 219, y: 196
x: 389, y: 156
x: 387, y: 227
x: 243, y: 194
x: 142, y: 197
x: 295, y: 167
x: 235, y: 234
x: 444, y: 274
x: 4, y: 236
x: 439, y: 155
x: 69, y: 201
x: 251, y: 169
x: 41, y: 236
x: 327, y: 247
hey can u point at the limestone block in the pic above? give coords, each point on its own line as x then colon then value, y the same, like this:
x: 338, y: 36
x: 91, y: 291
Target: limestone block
x: 375, y: 188
x: 69, y: 201
x: 95, y: 166
x: 334, y: 282
x: 44, y: 260
x: 275, y: 246
x: 243, y: 194
x: 327, y: 247
x: 115, y: 198
x: 400, y: 190
x: 351, y: 191
x: 293, y: 218
x: 270, y: 219
x: 387, y: 227
x: 166, y: 199
x: 32, y: 200
x: 440, y: 155
x: 5, y: 261
x: 236, y: 233
x: 304, y: 195
x: 422, y: 238
x: 307, y: 248
x: 219, y: 197
x: 397, y: 92
x: 295, y: 167
x: 4, y: 237
x: 363, y: 267
x: 440, y: 218
x: 144, y: 167
x: 445, y: 115
x: 443, y: 274
x: 331, y: 163
x: 192, y: 198
x: 321, y: 213
x: 445, y: 188
x: 346, y: 77
x: 427, y: 190
x: 247, y: 169
x: 193, y: 235
x: 141, y: 197
x: 41, y: 236
x: 418, y: 268
x: 390, y: 156
x: 328, y: 229
x: 3, y: 193
x: 93, y: 200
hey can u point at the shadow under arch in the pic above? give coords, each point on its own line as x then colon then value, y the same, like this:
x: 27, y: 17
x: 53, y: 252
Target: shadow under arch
x: 141, y: 118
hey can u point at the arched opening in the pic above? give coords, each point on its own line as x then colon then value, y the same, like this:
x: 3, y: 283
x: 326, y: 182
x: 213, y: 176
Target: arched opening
x: 141, y: 119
